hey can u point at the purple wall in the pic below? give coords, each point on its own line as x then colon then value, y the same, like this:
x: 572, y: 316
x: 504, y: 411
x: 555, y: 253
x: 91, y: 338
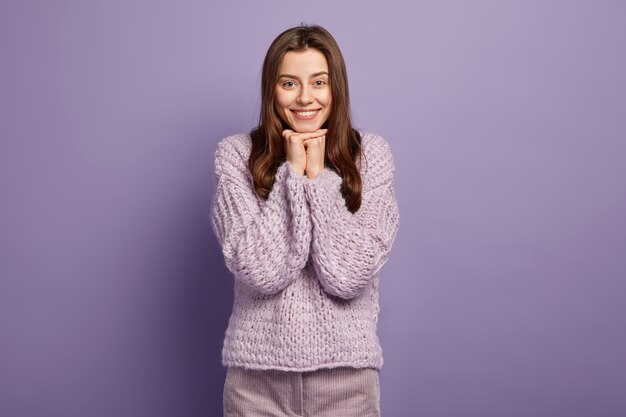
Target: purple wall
x: 505, y: 294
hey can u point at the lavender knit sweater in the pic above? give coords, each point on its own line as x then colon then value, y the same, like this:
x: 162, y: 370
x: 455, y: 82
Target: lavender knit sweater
x: 306, y: 269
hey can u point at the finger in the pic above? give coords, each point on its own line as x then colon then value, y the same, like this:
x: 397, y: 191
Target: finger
x: 292, y: 138
x: 309, y: 135
x: 312, y: 141
x: 289, y: 132
x: 320, y: 138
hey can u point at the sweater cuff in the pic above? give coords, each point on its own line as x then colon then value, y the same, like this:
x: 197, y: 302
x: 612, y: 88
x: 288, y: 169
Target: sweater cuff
x: 327, y: 179
x: 294, y: 182
x: 300, y: 218
x: 291, y: 172
x: 323, y: 193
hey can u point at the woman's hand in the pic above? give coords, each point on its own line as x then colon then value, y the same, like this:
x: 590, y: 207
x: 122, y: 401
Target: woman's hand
x: 315, y: 151
x: 297, y: 152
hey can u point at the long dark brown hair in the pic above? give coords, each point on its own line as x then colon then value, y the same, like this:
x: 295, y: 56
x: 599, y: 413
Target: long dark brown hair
x: 343, y: 142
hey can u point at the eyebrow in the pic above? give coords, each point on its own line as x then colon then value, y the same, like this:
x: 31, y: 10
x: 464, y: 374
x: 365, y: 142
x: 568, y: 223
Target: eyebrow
x: 317, y: 74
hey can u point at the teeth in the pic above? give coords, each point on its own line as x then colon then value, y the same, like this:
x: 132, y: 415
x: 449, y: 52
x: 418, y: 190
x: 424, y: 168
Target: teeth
x: 306, y: 113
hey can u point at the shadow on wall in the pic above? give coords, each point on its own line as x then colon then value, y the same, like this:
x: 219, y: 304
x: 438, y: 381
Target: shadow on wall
x: 208, y: 303
x: 214, y: 315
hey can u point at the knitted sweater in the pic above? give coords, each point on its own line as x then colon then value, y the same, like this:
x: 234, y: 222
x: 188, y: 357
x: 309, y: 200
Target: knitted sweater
x: 306, y: 270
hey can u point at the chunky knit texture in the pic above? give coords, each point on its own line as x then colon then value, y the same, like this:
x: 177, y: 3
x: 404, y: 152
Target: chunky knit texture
x: 306, y: 269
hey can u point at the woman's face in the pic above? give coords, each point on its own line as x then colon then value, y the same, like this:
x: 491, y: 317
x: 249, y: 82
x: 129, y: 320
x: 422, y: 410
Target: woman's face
x: 302, y: 94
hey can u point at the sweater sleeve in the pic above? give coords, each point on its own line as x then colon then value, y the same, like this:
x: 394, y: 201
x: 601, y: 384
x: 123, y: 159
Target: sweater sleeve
x: 265, y: 243
x: 349, y: 249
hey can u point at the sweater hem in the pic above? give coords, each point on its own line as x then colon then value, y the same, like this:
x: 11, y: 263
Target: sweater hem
x: 256, y: 366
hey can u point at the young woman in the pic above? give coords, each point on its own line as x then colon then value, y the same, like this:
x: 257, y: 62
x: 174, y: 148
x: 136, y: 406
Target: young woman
x: 306, y: 215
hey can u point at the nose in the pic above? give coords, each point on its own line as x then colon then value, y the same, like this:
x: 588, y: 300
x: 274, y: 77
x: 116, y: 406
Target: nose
x: 304, y: 97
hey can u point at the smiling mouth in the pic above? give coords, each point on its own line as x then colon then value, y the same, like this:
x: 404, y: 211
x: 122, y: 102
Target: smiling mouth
x: 305, y: 115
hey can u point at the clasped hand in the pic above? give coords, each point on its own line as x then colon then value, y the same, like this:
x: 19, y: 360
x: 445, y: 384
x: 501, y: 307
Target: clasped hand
x: 305, y: 151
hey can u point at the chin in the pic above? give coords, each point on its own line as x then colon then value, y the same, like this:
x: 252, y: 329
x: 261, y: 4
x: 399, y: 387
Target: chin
x: 305, y: 129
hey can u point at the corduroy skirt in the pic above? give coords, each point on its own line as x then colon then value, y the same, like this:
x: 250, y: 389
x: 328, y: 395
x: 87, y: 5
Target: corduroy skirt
x: 334, y: 392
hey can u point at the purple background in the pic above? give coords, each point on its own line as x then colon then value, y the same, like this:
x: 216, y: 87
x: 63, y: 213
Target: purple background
x: 505, y: 293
